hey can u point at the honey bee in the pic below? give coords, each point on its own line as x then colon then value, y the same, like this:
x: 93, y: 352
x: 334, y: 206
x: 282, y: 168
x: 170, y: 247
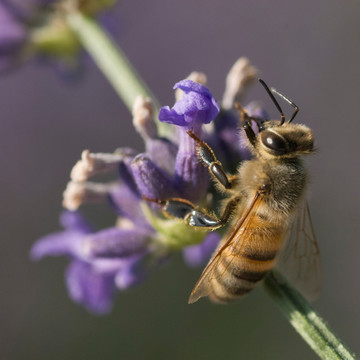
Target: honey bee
x: 265, y: 197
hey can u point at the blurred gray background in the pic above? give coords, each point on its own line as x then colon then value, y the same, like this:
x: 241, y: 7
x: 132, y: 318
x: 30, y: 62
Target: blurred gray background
x: 307, y: 49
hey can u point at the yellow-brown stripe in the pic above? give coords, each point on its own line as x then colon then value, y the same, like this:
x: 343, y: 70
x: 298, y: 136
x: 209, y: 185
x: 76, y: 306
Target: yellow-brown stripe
x: 253, y: 253
x: 239, y: 272
x: 244, y: 261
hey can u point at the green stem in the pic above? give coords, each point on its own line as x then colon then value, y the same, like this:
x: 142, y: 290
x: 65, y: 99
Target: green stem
x: 305, y: 320
x: 111, y: 60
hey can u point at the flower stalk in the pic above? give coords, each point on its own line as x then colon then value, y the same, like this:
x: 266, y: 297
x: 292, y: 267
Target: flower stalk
x: 305, y: 320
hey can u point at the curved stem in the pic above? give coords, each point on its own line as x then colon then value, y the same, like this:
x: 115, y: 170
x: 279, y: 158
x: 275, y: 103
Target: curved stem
x: 305, y: 320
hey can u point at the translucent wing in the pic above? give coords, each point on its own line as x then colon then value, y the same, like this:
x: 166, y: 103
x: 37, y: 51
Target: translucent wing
x: 300, y: 260
x: 238, y: 234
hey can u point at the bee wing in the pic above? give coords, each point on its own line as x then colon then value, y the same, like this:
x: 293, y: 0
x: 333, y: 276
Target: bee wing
x: 203, y: 285
x: 300, y: 260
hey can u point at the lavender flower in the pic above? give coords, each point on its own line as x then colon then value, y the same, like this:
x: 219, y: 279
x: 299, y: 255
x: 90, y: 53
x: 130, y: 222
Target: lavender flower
x: 38, y: 28
x: 123, y: 255
x: 195, y: 108
x: 97, y: 259
x: 194, y: 255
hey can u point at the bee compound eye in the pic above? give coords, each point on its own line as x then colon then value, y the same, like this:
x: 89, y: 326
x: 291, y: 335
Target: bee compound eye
x: 273, y: 141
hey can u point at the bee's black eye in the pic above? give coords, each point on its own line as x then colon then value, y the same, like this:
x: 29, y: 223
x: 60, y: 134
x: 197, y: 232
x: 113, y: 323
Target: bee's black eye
x: 273, y: 141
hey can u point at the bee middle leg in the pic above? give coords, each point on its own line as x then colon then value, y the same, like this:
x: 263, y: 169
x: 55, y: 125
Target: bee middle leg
x: 209, y: 159
x: 193, y: 216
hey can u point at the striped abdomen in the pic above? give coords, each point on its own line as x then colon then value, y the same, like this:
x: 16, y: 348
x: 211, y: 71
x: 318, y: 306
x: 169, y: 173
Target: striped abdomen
x: 244, y: 263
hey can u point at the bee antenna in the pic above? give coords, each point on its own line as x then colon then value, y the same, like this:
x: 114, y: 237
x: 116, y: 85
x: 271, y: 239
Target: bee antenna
x: 272, y: 97
x: 290, y: 102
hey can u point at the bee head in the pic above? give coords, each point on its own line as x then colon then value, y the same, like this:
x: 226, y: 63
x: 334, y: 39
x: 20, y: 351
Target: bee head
x: 284, y: 140
x: 279, y: 138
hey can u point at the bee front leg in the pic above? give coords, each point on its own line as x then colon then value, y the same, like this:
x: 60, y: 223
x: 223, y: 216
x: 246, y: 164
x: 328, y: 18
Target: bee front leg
x: 209, y: 159
x: 185, y: 210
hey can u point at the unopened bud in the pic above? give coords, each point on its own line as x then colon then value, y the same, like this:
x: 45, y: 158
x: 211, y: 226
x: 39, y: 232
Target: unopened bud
x: 92, y: 164
x: 239, y: 79
x: 77, y: 194
x: 143, y: 117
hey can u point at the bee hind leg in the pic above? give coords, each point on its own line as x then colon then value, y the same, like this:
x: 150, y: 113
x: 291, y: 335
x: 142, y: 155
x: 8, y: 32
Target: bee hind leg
x: 185, y: 210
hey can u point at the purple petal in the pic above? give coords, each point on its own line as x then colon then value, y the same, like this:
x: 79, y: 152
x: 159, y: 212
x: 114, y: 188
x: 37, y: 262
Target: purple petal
x: 197, y: 255
x: 201, y: 96
x: 67, y: 242
x: 151, y: 181
x: 125, y: 171
x: 132, y: 274
x: 170, y: 116
x: 111, y: 266
x: 115, y: 242
x: 12, y: 37
x: 191, y: 177
x: 74, y: 220
x: 163, y: 153
x: 90, y: 288
x: 196, y: 107
x: 126, y: 204
x: 19, y: 11
x: 188, y: 85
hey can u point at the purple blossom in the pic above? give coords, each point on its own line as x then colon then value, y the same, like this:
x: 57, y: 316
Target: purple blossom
x: 34, y: 29
x: 197, y: 255
x: 18, y: 21
x: 196, y: 107
x: 133, y: 274
x: 191, y: 179
x: 97, y: 259
x: 90, y: 288
x: 126, y: 203
x: 115, y: 242
x: 123, y: 255
x: 151, y: 180
x: 66, y: 242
